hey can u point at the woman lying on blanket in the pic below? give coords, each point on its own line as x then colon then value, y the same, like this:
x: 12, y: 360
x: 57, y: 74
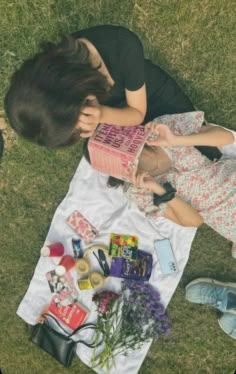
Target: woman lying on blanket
x: 205, y: 190
x: 95, y: 75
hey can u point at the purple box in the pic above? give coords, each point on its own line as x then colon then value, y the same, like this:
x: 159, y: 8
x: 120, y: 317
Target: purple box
x: 139, y: 269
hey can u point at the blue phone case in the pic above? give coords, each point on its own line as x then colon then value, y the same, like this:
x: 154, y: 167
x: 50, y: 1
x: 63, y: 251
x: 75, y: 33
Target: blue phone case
x: 166, y: 256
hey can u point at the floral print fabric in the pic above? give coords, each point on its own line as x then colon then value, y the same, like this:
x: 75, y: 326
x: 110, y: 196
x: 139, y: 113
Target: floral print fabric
x: 210, y: 187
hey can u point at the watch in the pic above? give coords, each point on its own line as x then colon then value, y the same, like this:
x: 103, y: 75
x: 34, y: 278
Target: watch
x: 169, y: 195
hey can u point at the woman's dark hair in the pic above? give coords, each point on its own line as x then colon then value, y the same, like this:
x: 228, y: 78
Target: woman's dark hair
x: 1, y: 144
x: 112, y: 181
x: 46, y: 94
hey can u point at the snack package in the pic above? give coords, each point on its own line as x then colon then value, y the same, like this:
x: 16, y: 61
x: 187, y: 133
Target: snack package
x: 139, y: 269
x: 123, y: 246
x: 82, y: 226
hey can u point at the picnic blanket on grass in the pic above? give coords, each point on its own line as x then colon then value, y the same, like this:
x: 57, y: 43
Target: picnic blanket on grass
x: 109, y: 211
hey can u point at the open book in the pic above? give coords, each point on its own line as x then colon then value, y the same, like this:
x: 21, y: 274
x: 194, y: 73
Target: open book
x: 113, y: 149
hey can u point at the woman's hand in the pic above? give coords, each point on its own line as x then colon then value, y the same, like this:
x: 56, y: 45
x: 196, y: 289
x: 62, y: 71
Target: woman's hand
x: 145, y: 181
x: 90, y: 117
x: 160, y: 135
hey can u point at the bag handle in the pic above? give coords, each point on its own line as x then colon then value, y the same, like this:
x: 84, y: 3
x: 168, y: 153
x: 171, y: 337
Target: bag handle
x: 87, y: 326
x: 82, y: 327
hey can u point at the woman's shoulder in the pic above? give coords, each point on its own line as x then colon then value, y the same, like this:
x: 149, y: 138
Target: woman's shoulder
x: 106, y: 30
x: 119, y: 35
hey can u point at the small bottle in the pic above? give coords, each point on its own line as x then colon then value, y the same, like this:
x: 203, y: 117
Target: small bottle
x: 53, y: 250
x: 67, y: 262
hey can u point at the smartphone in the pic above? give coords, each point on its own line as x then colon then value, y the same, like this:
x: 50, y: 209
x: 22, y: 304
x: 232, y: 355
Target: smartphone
x: 166, y: 256
x: 82, y: 226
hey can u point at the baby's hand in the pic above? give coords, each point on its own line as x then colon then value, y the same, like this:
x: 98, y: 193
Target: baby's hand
x: 142, y: 180
x: 160, y: 135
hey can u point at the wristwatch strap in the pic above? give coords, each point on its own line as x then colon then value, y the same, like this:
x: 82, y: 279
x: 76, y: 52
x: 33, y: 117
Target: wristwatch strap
x: 169, y: 195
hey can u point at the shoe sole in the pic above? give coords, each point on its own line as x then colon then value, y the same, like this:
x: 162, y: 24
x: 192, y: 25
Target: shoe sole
x: 226, y: 332
x: 211, y: 281
x: 229, y: 311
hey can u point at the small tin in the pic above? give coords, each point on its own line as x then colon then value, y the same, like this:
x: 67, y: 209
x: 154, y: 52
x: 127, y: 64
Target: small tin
x: 84, y: 284
x: 82, y: 266
x: 96, y: 279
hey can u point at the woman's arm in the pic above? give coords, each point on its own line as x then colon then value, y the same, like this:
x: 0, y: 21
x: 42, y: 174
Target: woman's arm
x: 177, y: 210
x: 131, y: 69
x: 215, y: 136
x: 133, y: 114
x: 208, y: 135
x: 182, y: 213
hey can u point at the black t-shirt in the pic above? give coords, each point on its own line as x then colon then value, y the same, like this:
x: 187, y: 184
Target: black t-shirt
x: 122, y: 53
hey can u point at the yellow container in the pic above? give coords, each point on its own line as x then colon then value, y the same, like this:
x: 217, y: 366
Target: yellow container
x: 84, y: 284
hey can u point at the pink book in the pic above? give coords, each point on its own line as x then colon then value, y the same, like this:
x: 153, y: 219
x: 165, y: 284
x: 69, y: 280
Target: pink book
x: 113, y: 148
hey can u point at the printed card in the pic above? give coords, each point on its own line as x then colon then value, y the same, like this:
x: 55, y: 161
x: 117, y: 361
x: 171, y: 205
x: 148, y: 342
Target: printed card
x: 62, y: 287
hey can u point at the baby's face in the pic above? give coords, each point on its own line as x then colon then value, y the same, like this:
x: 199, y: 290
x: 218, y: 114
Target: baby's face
x: 148, y: 161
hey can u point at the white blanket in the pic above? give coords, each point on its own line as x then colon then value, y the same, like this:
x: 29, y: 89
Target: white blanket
x: 109, y: 211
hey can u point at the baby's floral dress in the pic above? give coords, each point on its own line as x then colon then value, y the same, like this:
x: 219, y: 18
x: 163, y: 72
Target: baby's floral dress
x: 209, y: 186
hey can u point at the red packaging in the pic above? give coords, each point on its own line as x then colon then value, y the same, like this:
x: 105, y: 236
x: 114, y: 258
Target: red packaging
x: 73, y: 315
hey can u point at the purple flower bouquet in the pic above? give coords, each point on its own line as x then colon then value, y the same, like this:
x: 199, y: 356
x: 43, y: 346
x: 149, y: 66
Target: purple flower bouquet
x: 128, y: 320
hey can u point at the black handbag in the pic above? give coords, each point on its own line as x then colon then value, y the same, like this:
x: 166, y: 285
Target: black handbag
x: 60, y: 346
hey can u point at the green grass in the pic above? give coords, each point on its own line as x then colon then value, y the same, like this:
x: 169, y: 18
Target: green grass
x: 195, y: 42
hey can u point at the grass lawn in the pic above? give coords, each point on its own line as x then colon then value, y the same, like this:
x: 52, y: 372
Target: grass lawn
x: 195, y: 42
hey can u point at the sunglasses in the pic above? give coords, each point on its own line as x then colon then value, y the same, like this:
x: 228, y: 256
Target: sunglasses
x: 102, y: 262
